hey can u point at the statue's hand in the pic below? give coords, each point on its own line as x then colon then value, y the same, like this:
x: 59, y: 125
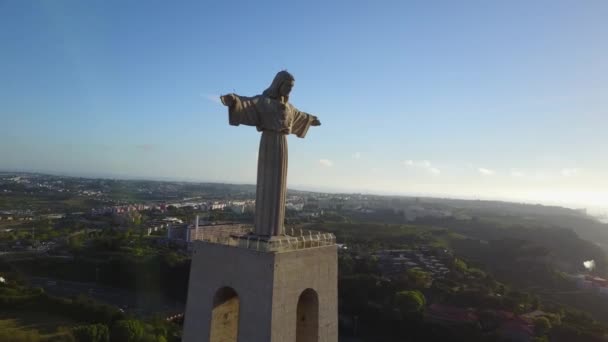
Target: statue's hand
x: 315, y: 122
x: 228, y: 100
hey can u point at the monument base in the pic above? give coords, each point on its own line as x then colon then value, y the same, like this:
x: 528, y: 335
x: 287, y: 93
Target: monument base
x: 244, y: 294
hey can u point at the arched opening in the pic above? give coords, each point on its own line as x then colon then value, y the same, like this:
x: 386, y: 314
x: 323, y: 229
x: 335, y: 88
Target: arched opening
x: 225, y: 316
x: 307, y: 326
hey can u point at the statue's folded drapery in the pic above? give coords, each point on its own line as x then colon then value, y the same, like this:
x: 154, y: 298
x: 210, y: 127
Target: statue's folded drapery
x: 275, y: 119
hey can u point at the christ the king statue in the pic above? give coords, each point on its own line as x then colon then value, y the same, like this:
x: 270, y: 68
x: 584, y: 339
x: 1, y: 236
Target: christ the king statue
x: 275, y: 117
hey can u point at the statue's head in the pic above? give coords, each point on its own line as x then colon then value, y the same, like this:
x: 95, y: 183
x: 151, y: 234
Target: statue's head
x: 281, y: 85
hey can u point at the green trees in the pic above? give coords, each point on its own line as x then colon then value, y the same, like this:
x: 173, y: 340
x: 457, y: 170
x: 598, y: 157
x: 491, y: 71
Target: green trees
x: 10, y: 332
x: 153, y: 338
x: 122, y: 331
x: 127, y: 331
x: 92, y: 333
x: 81, y: 308
x: 460, y: 265
x: 410, y: 302
x: 137, y: 331
x: 76, y: 242
x: 419, y: 278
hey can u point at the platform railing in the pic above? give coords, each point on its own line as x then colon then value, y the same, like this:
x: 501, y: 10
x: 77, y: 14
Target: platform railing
x: 243, y: 237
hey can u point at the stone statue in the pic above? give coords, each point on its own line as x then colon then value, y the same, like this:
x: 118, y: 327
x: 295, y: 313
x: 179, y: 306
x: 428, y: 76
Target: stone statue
x: 275, y: 117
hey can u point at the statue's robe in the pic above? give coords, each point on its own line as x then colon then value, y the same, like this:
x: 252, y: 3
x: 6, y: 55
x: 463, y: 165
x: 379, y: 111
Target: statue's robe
x: 275, y: 120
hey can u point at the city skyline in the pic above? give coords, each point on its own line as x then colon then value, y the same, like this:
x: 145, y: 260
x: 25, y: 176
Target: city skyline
x: 469, y: 100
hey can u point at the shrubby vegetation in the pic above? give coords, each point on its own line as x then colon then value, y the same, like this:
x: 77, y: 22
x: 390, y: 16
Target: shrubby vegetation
x: 379, y: 308
x: 410, y: 302
x: 92, y: 333
x: 97, y: 322
x: 111, y: 260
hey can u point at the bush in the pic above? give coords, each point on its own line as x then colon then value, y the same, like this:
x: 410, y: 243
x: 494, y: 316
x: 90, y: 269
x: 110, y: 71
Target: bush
x: 127, y: 331
x: 9, y: 331
x: 460, y: 266
x: 92, y: 333
x: 410, y: 302
x: 153, y: 338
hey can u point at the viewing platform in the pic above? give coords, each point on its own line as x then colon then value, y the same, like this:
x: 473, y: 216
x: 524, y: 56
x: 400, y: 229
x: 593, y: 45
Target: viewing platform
x: 241, y: 236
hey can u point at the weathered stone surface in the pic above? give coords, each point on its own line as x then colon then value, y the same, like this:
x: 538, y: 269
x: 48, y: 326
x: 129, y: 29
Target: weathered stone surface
x: 268, y: 286
x: 275, y: 117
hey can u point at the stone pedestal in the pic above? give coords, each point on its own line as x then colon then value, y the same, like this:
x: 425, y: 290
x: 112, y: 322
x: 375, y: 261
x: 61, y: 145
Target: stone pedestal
x: 248, y: 295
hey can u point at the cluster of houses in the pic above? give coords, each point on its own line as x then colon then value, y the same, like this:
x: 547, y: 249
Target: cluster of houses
x: 9, y: 218
x: 21, y: 246
x: 238, y: 207
x: 396, y: 261
x: 158, y: 225
x: 119, y: 209
x: 16, y: 215
x: 591, y: 283
x: 411, y: 210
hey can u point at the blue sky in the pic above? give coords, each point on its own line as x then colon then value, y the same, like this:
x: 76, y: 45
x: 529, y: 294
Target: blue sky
x: 481, y: 99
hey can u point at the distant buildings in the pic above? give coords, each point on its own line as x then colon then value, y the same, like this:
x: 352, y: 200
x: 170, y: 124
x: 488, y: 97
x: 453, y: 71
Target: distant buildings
x: 53, y: 216
x: 119, y: 209
x: 397, y: 261
x: 17, y: 216
x: 411, y: 210
x: 184, y: 234
x: 242, y: 207
x: 591, y: 283
x: 294, y: 206
x: 217, y: 206
x: 172, y: 220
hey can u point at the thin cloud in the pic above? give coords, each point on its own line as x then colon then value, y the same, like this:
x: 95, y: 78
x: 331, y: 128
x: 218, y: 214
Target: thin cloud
x: 212, y: 98
x: 486, y: 172
x: 569, y: 172
x: 517, y: 174
x: 326, y: 162
x: 356, y: 155
x: 417, y: 163
x: 434, y: 170
x: 422, y: 164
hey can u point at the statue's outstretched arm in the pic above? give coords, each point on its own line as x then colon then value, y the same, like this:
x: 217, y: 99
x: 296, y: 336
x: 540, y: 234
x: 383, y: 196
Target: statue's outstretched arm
x: 302, y: 121
x: 241, y: 110
x: 228, y: 100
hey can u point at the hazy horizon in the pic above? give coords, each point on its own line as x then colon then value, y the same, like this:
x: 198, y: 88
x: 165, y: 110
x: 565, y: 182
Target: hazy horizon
x: 599, y: 211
